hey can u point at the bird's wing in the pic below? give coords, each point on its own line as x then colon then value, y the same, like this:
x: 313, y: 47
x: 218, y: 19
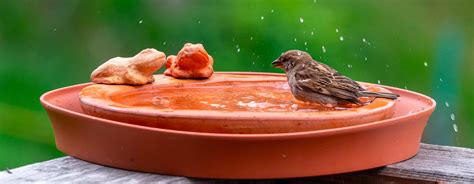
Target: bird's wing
x: 326, y: 81
x: 341, y: 78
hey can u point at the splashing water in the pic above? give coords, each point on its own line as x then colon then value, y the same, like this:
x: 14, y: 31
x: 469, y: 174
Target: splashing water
x: 214, y: 105
x: 337, y: 30
x: 140, y: 22
x: 446, y: 104
x: 426, y: 64
x: 455, y: 127
x: 252, y: 104
x: 341, y: 38
x: 262, y: 17
x: 294, y: 107
x: 378, y: 81
x: 301, y: 20
x: 453, y: 117
x: 365, y: 58
x: 363, y: 40
x: 238, y: 49
x: 324, y: 48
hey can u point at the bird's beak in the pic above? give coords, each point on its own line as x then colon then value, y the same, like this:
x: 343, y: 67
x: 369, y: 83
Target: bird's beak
x: 277, y: 64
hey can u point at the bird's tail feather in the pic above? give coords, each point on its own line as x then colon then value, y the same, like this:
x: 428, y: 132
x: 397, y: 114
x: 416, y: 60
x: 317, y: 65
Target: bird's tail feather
x: 392, y: 96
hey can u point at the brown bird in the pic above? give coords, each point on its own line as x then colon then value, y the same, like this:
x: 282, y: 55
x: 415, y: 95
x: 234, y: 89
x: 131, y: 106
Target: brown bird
x: 312, y: 81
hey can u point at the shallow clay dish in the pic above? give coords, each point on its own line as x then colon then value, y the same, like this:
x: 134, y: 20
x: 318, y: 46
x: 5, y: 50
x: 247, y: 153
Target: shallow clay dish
x: 244, y: 156
x: 226, y: 103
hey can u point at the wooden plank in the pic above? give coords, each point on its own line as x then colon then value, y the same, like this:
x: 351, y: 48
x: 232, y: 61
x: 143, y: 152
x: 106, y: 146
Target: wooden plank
x: 432, y: 164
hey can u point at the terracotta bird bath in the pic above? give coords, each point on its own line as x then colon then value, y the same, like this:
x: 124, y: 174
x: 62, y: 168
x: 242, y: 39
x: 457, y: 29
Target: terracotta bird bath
x: 233, y: 125
x: 225, y: 103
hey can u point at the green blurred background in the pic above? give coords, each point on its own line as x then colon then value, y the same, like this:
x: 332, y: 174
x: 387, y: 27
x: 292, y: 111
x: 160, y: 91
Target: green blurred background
x: 422, y: 45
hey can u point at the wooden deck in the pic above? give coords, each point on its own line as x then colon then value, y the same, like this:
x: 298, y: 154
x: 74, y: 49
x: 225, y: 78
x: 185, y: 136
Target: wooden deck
x: 433, y: 164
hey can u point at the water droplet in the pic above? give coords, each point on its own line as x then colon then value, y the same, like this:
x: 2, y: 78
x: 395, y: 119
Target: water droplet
x: 349, y: 66
x: 140, y: 22
x: 324, y: 48
x: 262, y: 17
x: 295, y: 39
x: 365, y: 58
x: 238, y: 49
x: 446, y: 104
x: 54, y: 29
x: 252, y: 104
x: 312, y: 33
x: 378, y: 81
x: 440, y: 79
x: 272, y: 10
x: 164, y: 43
x: 294, y: 107
x: 236, y: 46
x: 301, y: 19
x: 305, y: 43
x: 453, y: 117
x: 341, y: 38
x: 337, y: 30
x: 199, y: 21
x: 363, y: 40
x: 455, y: 127
x: 314, y: 1
x: 214, y: 105
x: 426, y: 64
x: 251, y: 38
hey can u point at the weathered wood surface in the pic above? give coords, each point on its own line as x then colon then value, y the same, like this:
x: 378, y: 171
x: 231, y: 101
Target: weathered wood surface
x: 432, y: 164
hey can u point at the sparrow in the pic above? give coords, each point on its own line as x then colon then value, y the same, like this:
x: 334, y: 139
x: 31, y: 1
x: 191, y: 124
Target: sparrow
x: 315, y: 82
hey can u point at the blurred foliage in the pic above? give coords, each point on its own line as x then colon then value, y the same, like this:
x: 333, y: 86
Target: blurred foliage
x: 422, y: 45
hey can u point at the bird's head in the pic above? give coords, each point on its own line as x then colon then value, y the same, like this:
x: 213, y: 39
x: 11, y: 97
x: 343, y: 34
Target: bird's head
x: 291, y: 58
